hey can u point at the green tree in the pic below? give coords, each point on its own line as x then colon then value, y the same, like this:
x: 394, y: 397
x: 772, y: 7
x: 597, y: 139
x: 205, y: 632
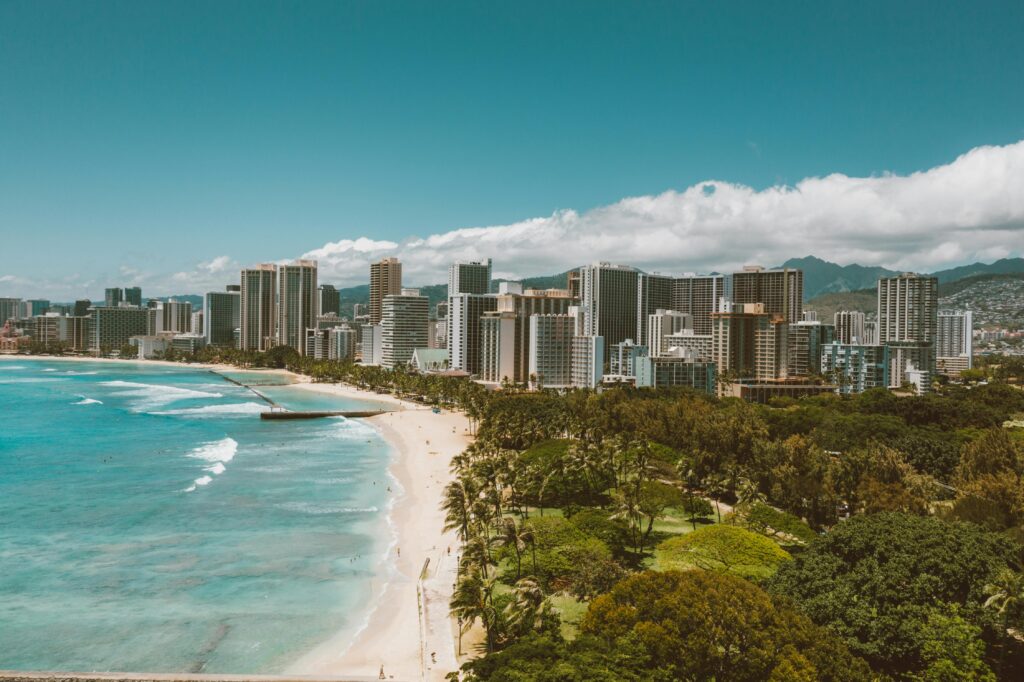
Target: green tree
x: 723, y: 549
x: 874, y: 579
x: 704, y: 626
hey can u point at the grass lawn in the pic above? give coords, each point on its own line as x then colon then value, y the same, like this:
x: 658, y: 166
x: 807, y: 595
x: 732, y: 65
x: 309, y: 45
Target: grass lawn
x: 570, y: 610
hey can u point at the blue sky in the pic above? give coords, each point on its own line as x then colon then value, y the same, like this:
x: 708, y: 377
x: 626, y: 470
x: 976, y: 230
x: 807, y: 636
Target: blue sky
x: 139, y: 140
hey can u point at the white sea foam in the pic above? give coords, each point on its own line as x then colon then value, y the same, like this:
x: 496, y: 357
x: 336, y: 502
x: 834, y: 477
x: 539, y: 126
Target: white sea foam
x: 156, y: 395
x: 49, y: 369
x: 318, y: 509
x: 216, y: 452
x: 88, y: 401
x: 202, y: 480
x: 228, y: 409
x: 223, y: 450
x: 6, y: 366
x: 73, y: 373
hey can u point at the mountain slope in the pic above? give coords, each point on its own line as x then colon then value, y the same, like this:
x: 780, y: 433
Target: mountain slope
x: 1001, y: 266
x: 821, y: 276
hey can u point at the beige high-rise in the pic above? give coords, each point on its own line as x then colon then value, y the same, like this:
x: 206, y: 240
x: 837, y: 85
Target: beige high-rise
x: 385, y: 280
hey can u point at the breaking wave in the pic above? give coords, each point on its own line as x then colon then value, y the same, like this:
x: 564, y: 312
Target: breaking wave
x: 218, y: 410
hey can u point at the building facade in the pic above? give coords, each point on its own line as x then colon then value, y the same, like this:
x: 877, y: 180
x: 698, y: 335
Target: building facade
x: 780, y: 291
x: 403, y: 327
x: 222, y: 315
x: 609, y: 301
x: 550, y: 363
x: 257, y: 307
x: 385, y: 280
x: 297, y: 302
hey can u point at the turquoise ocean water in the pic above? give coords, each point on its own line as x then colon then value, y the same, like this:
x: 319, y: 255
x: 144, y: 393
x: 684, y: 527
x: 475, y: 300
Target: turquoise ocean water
x: 150, y: 521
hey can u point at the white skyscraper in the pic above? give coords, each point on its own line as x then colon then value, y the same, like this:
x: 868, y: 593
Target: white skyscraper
x: 954, y: 344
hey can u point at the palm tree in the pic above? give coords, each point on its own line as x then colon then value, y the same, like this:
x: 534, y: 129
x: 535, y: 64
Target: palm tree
x: 457, y: 504
x: 1006, y: 596
x: 512, y: 536
x: 474, y: 599
x: 530, y: 609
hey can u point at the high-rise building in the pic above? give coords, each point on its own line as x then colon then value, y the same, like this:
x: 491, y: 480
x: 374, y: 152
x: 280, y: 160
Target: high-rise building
x: 663, y: 323
x: 370, y: 344
x: 10, y: 309
x: 74, y: 332
x: 771, y: 348
x: 954, y: 342
x: 469, y: 277
x: 473, y: 278
x: 403, y: 327
x: 908, y: 323
x: 133, y: 296
x: 257, y: 307
x: 519, y: 305
x: 222, y: 315
x: 698, y: 296
x: 572, y: 283
x: 37, y: 306
x: 550, y: 364
x: 47, y: 329
x: 174, y: 316
x: 809, y: 316
x: 341, y: 343
x: 850, y: 327
x: 498, y: 346
x: 734, y: 337
x: 81, y: 308
x: 624, y: 357
x: 385, y: 280
x: 609, y: 300
x: 855, y: 368
x: 464, y: 313
x: 781, y: 291
x: 329, y: 300
x: 871, y: 333
x: 587, y: 363
x: 112, y: 327
x: 667, y: 372
x: 113, y: 297
x: 296, y: 303
x: 806, y: 340
x: 686, y: 344
x: 654, y: 292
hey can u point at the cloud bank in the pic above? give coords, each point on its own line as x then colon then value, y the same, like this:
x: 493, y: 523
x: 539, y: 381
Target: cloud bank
x: 970, y: 209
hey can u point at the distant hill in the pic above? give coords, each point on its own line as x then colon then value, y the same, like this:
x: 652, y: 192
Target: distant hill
x: 1001, y: 266
x: 996, y: 299
x: 826, y: 305
x: 822, y: 277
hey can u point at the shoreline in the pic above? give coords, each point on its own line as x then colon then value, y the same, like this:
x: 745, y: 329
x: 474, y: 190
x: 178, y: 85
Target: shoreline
x: 409, y: 617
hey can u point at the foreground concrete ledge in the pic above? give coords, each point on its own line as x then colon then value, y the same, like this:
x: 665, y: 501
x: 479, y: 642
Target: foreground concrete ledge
x: 33, y: 676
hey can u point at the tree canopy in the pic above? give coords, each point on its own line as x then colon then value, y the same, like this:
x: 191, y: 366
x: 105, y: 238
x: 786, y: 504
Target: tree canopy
x: 876, y: 579
x: 695, y: 625
x: 723, y: 549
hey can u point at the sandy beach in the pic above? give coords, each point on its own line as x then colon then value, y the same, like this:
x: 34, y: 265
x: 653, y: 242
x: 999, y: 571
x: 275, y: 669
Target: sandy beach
x: 424, y: 444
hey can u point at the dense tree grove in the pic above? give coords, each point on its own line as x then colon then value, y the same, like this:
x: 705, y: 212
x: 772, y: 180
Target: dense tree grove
x: 831, y: 538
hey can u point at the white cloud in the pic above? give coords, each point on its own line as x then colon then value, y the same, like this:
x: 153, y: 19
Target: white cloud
x: 972, y: 208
